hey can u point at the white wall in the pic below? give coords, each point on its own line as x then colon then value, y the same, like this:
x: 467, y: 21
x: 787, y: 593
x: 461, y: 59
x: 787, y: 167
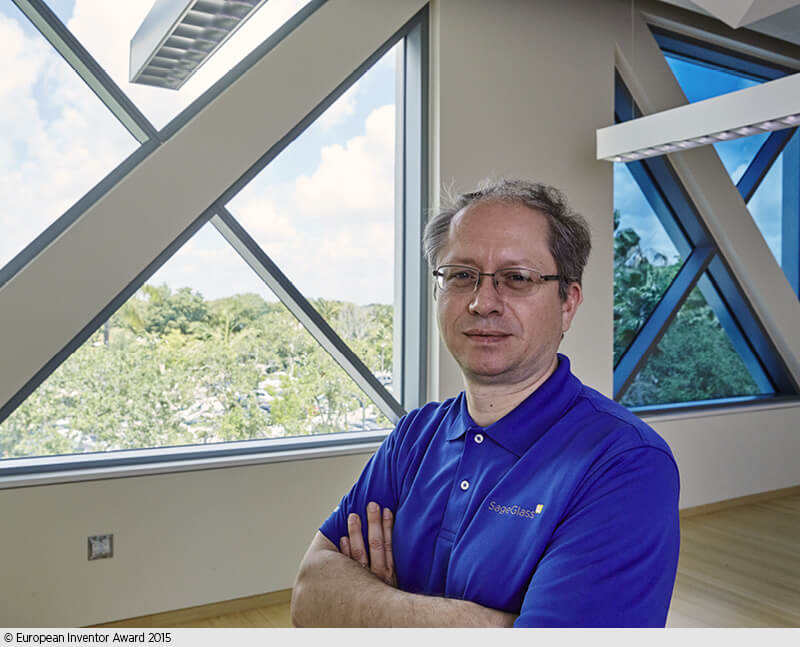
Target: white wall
x: 519, y: 88
x: 179, y: 539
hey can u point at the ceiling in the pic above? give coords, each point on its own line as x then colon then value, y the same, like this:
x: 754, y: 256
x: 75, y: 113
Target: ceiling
x: 776, y: 18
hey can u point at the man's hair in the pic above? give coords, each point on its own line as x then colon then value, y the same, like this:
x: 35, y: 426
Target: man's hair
x: 569, y: 238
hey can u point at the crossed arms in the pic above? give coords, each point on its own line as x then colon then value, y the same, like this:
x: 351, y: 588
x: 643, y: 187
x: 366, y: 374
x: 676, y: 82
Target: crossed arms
x: 356, y: 586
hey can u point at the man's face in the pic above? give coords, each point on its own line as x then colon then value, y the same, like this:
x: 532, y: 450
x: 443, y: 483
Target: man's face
x: 503, y: 340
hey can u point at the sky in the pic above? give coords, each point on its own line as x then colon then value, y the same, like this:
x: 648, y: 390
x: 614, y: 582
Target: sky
x: 323, y: 209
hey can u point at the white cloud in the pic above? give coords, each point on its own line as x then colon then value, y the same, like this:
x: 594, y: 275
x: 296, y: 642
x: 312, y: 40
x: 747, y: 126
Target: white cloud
x: 58, y: 139
x: 340, y: 110
x: 332, y: 231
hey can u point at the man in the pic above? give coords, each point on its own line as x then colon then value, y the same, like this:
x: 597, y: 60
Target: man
x: 529, y: 499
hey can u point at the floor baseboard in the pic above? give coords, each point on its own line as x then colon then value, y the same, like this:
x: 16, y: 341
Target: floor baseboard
x: 742, y: 500
x: 203, y: 611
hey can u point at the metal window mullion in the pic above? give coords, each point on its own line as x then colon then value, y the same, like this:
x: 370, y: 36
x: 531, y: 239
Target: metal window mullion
x: 414, y: 186
x: 656, y: 325
x: 762, y: 161
x: 694, y: 50
x: 92, y: 73
x: 305, y: 313
x: 790, y: 225
x: 400, y: 216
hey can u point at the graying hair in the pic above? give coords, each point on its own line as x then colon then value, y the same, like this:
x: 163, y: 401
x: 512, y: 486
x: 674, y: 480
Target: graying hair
x: 569, y: 238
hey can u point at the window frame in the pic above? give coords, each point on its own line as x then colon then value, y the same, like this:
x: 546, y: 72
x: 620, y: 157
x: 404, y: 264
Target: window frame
x: 411, y: 197
x: 703, y: 267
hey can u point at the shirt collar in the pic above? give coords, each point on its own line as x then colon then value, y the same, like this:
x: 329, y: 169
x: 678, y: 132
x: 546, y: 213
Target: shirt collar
x: 521, y: 427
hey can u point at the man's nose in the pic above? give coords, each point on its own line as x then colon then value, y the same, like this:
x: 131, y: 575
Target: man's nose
x: 486, y: 300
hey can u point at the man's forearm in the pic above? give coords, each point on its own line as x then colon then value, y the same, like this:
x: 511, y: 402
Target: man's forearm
x: 334, y: 591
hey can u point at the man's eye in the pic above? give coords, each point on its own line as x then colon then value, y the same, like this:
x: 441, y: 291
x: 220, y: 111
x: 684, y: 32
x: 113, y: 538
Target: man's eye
x: 516, y: 277
x: 463, y: 275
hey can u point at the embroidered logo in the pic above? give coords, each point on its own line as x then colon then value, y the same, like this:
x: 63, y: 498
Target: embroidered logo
x: 516, y: 510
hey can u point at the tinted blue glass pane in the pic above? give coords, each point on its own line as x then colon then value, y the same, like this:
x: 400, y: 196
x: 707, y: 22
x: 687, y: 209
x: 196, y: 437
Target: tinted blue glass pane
x: 645, y: 259
x: 695, y: 360
x: 736, y: 154
x: 766, y: 207
x: 699, y: 82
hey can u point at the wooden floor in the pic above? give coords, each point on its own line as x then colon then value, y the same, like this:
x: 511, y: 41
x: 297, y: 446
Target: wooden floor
x: 739, y: 567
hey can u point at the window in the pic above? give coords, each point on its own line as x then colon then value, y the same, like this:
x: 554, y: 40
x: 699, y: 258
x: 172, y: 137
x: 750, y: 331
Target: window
x: 756, y: 164
x: 214, y: 343
x: 323, y: 210
x: 683, y: 332
x: 193, y: 357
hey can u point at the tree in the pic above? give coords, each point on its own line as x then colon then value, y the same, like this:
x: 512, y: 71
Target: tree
x: 175, y: 369
x: 695, y: 359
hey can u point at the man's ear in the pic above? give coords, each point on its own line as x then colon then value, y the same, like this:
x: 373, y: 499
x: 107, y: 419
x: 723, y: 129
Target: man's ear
x: 569, y: 305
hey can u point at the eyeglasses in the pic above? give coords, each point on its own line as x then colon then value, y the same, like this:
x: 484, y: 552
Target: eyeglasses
x: 508, y: 281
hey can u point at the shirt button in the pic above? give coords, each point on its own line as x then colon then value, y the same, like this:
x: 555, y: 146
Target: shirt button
x: 465, y: 485
x: 478, y: 438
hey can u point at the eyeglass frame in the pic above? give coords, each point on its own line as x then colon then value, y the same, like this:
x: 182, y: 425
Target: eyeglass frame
x: 542, y: 277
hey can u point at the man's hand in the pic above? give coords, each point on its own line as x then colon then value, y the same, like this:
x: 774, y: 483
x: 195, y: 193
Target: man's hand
x: 379, y: 536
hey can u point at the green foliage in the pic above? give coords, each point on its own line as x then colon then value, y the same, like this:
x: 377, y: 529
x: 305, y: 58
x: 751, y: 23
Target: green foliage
x: 695, y: 359
x: 170, y: 368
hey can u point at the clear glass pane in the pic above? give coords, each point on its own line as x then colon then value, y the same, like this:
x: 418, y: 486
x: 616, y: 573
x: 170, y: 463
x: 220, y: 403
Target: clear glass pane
x: 57, y: 139
x: 645, y: 259
x: 323, y: 210
x: 194, y: 357
x: 694, y: 361
x: 105, y: 29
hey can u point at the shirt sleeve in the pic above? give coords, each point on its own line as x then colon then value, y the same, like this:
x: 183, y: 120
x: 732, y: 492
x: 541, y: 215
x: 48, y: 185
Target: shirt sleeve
x: 377, y: 483
x: 612, y: 560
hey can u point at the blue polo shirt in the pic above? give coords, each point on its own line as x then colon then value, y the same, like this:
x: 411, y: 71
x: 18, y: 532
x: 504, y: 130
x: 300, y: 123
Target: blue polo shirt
x: 565, y: 511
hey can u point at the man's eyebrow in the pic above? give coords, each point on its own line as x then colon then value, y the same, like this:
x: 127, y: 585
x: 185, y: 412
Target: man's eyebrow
x: 465, y: 260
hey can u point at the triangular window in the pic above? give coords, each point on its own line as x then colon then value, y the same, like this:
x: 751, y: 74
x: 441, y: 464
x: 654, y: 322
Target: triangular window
x: 202, y: 353
x: 697, y: 338
x: 711, y: 369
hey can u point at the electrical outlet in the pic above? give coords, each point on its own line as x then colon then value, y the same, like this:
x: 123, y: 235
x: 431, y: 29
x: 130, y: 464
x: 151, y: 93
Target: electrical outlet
x: 101, y: 546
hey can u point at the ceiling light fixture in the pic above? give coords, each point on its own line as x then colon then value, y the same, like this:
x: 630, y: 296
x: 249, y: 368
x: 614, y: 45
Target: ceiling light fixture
x: 773, y: 105
x: 176, y: 38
